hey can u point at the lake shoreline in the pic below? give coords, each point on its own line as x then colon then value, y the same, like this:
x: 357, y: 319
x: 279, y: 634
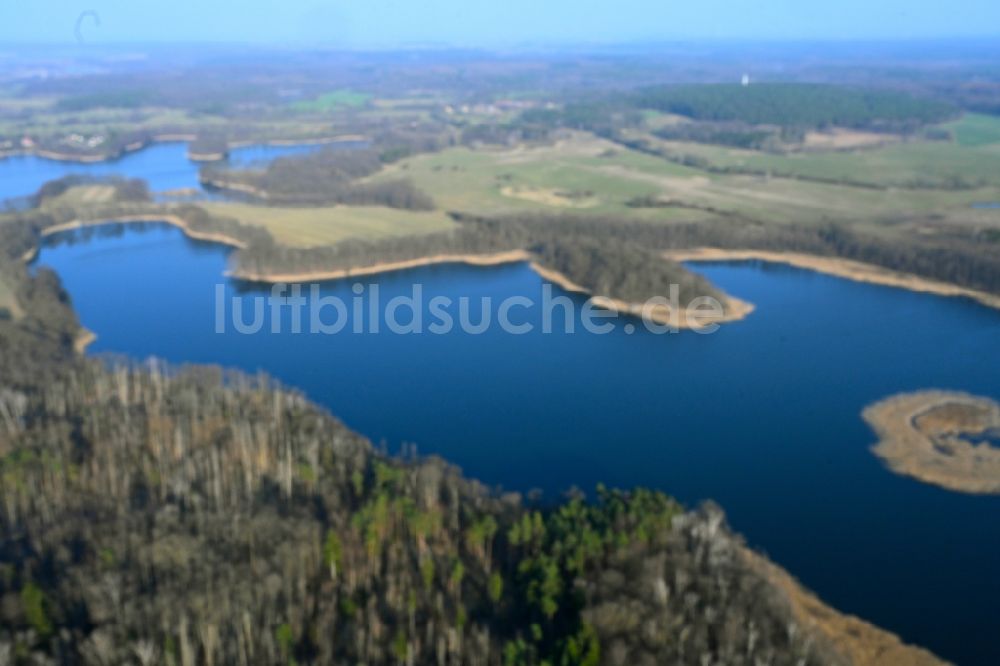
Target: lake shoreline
x: 173, y: 220
x: 207, y: 157
x: 860, y: 641
x: 84, y: 338
x: 57, y: 156
x: 490, y: 259
x: 735, y: 309
x: 843, y: 268
x: 927, y: 435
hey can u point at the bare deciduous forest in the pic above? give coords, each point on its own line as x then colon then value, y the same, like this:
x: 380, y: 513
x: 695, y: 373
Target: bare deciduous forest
x: 189, y: 515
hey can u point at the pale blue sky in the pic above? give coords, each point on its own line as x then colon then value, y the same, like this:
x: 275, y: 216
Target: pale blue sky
x: 358, y: 23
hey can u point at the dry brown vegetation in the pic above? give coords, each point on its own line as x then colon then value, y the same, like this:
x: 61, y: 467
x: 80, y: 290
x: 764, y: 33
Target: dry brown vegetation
x: 939, y: 437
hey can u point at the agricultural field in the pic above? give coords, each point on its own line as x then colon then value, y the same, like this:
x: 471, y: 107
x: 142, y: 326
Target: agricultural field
x: 47, y: 120
x: 584, y: 174
x: 570, y: 176
x: 970, y: 159
x: 81, y: 196
x: 975, y: 129
x: 314, y: 227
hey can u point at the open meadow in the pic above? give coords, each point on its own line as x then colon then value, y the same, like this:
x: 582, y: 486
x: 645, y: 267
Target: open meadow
x: 315, y: 227
x: 583, y: 174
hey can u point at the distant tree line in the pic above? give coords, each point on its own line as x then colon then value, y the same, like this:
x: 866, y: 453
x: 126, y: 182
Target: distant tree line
x: 951, y: 182
x: 594, y: 251
x: 797, y: 105
x: 600, y: 116
x: 108, y: 99
x: 621, y: 269
x: 790, y: 106
x: 327, y: 176
x: 961, y: 257
x: 134, y: 190
x: 732, y: 134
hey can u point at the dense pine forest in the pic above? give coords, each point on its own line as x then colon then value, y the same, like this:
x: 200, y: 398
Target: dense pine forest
x: 752, y: 112
x: 796, y: 105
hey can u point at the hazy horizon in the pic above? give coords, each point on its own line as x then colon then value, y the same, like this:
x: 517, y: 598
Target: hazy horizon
x: 451, y: 23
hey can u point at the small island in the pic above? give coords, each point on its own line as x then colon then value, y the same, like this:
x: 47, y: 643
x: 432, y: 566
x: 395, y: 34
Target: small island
x: 940, y: 437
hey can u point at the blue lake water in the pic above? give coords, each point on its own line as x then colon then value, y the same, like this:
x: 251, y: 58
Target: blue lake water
x: 762, y: 416
x: 165, y: 166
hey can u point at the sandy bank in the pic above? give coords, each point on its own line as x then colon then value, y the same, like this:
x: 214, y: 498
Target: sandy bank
x: 174, y: 138
x: 861, y: 643
x: 91, y: 159
x: 845, y: 268
x: 207, y: 157
x: 84, y: 338
x: 181, y: 192
x: 939, y: 437
x: 178, y: 222
x: 386, y: 267
x: 82, y: 159
x: 735, y: 309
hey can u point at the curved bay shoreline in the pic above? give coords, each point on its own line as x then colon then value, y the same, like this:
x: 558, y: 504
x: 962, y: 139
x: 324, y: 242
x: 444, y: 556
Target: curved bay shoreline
x: 842, y: 268
x: 173, y: 220
x: 734, y: 309
x: 173, y: 138
x: 858, y: 641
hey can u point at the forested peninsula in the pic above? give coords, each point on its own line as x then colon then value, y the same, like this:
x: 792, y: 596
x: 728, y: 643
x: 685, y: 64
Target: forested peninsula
x: 618, y: 260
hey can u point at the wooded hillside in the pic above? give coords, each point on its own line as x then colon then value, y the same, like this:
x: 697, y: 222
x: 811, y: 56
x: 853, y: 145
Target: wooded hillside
x: 151, y: 514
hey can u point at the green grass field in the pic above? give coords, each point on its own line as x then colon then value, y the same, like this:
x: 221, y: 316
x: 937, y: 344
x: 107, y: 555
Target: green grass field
x: 47, y: 122
x: 575, y: 176
x: 313, y: 227
x: 586, y: 175
x: 936, y: 163
x: 44, y: 121
x: 975, y: 129
x: 332, y: 101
